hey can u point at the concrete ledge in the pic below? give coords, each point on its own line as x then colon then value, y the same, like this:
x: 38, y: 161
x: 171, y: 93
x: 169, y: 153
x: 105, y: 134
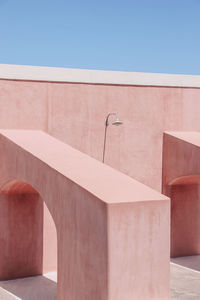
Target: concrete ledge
x: 106, y: 183
x: 35, y: 73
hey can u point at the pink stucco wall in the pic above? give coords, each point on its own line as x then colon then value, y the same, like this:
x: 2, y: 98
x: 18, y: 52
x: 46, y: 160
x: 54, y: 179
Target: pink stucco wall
x: 75, y: 114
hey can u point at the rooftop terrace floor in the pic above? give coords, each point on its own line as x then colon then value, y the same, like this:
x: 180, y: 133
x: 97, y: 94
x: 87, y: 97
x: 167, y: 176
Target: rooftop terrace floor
x: 185, y: 283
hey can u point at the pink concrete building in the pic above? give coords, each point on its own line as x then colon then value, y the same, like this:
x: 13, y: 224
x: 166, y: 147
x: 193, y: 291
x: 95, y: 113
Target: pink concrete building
x: 110, y: 232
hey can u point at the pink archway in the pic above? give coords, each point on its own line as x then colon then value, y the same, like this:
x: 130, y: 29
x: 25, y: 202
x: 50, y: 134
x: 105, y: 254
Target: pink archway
x: 105, y: 220
x: 25, y: 234
x: 181, y: 182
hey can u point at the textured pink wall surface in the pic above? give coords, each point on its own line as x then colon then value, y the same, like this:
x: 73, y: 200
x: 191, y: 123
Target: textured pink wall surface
x: 75, y: 114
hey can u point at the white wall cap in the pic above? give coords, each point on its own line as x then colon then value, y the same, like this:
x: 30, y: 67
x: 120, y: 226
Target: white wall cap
x: 35, y: 73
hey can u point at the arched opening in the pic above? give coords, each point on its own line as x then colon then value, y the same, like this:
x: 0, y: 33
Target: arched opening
x: 185, y: 211
x: 28, y: 238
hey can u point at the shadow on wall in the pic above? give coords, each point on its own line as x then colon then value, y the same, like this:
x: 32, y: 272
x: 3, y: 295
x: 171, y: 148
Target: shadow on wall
x: 185, y: 210
x: 28, y: 238
x: 30, y: 288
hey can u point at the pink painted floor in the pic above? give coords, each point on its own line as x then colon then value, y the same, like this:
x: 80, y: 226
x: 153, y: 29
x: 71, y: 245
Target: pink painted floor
x: 30, y: 288
x: 185, y: 283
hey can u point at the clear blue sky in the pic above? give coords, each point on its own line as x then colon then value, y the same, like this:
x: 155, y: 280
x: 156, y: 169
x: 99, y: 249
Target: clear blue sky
x: 131, y: 35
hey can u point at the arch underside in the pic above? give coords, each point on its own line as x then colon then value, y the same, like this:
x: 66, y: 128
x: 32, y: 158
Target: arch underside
x: 16, y: 186
x: 185, y: 180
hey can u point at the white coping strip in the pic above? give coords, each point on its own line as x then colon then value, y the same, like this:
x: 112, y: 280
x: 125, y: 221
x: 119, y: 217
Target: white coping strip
x: 19, y: 72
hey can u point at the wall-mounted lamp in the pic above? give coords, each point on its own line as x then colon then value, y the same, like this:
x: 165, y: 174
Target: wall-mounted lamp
x: 117, y: 122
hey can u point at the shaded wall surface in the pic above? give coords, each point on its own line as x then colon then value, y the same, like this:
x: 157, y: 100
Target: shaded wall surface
x: 75, y: 113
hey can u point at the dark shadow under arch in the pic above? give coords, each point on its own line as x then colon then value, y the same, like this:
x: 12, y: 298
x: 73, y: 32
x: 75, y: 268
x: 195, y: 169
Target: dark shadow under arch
x: 184, y: 192
x: 21, y: 230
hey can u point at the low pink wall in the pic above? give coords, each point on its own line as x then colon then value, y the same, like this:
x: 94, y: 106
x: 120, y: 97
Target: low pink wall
x: 105, y: 221
x: 75, y: 114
